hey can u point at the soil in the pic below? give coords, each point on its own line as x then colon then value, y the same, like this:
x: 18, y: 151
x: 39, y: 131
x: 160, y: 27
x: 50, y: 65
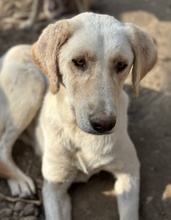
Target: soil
x: 149, y: 120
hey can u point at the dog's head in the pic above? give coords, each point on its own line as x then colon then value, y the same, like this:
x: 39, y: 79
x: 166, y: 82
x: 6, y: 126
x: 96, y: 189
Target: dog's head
x: 91, y: 56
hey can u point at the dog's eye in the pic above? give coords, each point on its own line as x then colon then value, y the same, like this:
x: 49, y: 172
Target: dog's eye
x: 79, y: 62
x: 120, y: 66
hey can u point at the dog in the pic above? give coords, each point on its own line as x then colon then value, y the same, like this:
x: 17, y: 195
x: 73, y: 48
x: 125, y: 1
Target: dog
x: 53, y: 9
x: 75, y: 114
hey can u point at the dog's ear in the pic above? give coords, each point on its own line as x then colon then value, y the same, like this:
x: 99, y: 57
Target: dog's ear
x: 45, y: 51
x: 145, y: 54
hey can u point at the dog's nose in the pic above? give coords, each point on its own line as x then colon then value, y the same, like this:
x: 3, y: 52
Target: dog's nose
x: 102, y: 123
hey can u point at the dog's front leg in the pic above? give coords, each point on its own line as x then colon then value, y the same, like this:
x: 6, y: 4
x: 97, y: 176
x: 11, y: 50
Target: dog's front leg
x: 127, y: 191
x: 126, y: 170
x: 56, y: 201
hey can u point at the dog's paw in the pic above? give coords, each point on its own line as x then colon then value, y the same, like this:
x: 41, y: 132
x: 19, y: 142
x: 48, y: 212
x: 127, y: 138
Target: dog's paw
x: 22, y: 187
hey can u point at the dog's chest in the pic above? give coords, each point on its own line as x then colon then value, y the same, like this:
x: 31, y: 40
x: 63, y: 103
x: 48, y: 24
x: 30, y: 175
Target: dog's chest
x: 94, y: 154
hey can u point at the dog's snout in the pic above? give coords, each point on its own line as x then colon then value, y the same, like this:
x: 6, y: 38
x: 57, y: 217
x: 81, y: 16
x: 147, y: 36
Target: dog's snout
x: 102, y: 123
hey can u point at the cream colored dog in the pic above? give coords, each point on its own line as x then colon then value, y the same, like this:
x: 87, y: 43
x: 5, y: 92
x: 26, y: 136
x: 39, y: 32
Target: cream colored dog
x: 79, y: 125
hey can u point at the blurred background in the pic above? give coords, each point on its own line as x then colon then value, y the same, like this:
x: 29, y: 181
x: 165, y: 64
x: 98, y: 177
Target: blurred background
x: 149, y: 115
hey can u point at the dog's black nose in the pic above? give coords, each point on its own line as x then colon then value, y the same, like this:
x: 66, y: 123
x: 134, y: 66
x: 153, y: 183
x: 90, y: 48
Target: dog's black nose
x: 102, y: 123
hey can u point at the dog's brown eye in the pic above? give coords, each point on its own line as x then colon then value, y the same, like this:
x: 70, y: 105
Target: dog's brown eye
x: 79, y: 63
x: 120, y: 66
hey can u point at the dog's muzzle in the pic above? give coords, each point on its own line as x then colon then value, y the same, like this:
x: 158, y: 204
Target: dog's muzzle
x: 102, y: 123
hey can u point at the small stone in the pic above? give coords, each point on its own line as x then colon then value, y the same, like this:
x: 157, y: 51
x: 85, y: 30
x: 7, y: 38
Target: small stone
x: 19, y: 206
x: 11, y: 206
x: 41, y: 217
x: 36, y: 211
x: 21, y: 214
x: 29, y: 218
x: 15, y: 214
x: 5, y: 213
x: 29, y: 209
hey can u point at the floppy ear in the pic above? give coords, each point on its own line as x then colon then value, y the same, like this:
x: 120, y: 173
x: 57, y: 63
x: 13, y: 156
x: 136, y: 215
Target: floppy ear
x: 145, y: 54
x: 45, y: 51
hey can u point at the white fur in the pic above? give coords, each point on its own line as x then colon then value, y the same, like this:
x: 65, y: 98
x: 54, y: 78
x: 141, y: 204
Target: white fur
x: 69, y: 153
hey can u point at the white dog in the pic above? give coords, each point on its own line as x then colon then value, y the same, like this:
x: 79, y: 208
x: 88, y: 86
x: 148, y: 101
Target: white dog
x: 79, y: 125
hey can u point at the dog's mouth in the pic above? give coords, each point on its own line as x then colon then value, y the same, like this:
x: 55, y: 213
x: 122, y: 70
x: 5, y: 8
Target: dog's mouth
x: 100, y: 133
x: 90, y: 130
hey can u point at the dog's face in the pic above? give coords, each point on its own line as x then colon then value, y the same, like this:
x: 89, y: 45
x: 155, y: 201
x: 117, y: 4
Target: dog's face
x: 93, y: 64
x: 93, y: 54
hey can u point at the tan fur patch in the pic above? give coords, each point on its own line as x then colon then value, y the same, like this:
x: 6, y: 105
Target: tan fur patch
x: 5, y: 172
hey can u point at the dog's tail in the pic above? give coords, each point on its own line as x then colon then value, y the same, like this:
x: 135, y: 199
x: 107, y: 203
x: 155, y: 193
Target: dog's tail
x: 4, y: 171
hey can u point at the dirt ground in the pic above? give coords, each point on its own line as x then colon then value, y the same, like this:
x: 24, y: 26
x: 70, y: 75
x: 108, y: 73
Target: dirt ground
x: 149, y: 120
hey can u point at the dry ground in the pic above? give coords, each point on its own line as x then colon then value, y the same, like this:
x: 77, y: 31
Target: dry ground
x: 149, y: 120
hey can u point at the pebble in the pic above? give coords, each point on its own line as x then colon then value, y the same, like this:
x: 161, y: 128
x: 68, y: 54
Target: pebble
x: 15, y: 214
x: 29, y: 209
x: 29, y: 218
x: 36, y: 211
x: 21, y: 214
x: 19, y: 206
x: 5, y: 213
